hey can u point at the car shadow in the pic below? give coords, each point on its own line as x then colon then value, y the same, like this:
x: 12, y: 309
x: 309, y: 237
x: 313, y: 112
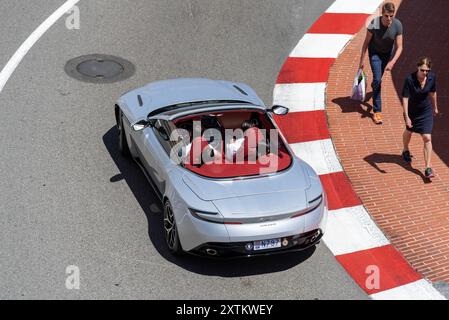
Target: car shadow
x: 376, y: 158
x: 348, y: 105
x: 152, y: 207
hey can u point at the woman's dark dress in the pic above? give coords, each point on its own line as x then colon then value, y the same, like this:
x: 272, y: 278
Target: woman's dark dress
x: 419, y: 103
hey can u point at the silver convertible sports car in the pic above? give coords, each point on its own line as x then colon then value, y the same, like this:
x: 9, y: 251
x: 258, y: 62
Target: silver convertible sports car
x: 229, y: 183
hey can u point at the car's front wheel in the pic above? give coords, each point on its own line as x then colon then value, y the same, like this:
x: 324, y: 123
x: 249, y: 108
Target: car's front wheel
x: 122, y: 142
x: 171, y: 231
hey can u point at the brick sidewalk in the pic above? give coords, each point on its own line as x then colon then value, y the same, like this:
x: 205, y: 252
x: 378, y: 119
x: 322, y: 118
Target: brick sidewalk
x: 413, y: 213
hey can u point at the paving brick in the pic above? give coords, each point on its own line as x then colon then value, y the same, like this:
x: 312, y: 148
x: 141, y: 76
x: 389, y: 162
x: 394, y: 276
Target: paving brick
x: 413, y: 213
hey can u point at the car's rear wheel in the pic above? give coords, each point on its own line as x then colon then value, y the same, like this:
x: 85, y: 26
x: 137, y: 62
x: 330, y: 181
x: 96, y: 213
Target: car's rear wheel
x: 122, y: 142
x: 171, y: 231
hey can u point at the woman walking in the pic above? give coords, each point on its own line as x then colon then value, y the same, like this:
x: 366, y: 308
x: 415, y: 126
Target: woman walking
x: 419, y: 101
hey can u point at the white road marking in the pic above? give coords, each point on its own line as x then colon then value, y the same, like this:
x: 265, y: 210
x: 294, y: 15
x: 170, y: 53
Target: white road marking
x: 18, y: 56
x: 320, y: 154
x: 351, y: 230
x: 300, y: 96
x: 316, y: 45
x: 354, y: 6
x: 418, y: 290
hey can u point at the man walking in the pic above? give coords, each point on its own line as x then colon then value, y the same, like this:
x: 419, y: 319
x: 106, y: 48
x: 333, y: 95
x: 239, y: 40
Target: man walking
x: 384, y: 43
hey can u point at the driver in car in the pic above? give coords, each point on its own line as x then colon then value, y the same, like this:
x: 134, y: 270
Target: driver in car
x: 206, y: 148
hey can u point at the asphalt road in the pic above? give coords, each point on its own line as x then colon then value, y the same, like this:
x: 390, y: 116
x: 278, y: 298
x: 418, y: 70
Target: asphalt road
x: 68, y: 198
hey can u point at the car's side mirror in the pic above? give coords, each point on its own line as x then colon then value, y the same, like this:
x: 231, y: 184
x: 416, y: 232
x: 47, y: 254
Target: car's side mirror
x: 279, y: 110
x: 140, y: 125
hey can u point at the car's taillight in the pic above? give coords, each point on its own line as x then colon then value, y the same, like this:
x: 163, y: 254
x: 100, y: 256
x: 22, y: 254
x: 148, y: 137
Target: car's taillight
x: 316, y: 203
x: 213, y: 217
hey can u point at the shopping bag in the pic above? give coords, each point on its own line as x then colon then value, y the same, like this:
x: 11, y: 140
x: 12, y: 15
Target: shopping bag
x: 359, y: 86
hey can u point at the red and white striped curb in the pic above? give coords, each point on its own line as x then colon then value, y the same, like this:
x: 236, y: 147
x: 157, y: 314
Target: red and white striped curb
x: 352, y: 236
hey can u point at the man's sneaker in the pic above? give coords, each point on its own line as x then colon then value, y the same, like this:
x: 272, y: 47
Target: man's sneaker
x: 377, y: 118
x: 429, y: 173
x: 407, y: 156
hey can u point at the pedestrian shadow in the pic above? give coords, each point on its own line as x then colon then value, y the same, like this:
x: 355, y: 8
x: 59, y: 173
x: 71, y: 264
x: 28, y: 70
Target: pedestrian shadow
x: 152, y: 208
x: 376, y: 158
x: 348, y: 105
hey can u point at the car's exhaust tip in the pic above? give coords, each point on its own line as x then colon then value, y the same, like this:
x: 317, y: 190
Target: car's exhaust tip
x: 211, y: 252
x: 315, y: 236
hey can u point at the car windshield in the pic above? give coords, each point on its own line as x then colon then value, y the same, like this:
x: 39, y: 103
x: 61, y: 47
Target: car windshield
x: 175, y: 108
x: 230, y: 144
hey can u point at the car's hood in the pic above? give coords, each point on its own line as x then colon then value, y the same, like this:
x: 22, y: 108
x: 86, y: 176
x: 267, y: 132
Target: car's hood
x: 292, y: 180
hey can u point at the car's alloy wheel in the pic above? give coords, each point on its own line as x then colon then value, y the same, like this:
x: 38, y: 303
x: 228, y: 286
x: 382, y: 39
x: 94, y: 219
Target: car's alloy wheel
x: 170, y: 230
x: 122, y: 142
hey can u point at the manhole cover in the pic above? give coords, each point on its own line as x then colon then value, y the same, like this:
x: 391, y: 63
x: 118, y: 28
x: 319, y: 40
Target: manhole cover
x: 99, y: 68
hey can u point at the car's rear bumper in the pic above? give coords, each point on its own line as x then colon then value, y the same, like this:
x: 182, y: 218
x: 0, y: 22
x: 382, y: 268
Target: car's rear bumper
x: 241, y: 249
x: 195, y: 233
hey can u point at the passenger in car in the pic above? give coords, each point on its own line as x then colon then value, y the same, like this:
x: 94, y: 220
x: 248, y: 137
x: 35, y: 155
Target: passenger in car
x: 252, y: 138
x: 233, y: 147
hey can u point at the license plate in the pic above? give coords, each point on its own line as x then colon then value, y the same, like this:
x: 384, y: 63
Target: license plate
x: 267, y: 244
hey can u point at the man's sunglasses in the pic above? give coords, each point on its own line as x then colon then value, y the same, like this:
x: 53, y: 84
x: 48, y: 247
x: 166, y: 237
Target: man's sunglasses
x: 388, y: 16
x: 424, y: 70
